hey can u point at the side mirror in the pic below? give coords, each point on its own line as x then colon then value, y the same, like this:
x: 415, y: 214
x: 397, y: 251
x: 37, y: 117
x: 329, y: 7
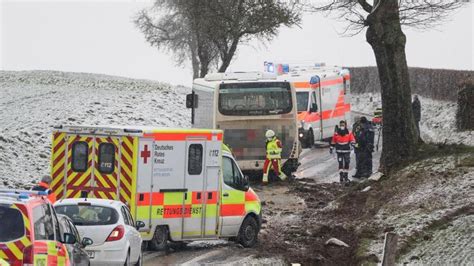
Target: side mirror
x: 313, y: 108
x: 86, y: 242
x: 139, y: 224
x: 246, y: 183
x: 191, y: 100
x: 69, y: 239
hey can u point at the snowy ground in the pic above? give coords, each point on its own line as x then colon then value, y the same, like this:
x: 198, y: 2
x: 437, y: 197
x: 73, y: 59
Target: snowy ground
x: 438, y: 119
x: 32, y: 102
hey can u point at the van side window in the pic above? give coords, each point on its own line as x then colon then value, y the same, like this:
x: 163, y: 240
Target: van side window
x: 313, y: 99
x: 231, y: 173
x: 43, y: 223
x: 80, y: 154
x: 195, y: 159
x: 106, y: 158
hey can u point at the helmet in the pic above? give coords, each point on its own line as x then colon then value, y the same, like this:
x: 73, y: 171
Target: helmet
x: 269, y: 134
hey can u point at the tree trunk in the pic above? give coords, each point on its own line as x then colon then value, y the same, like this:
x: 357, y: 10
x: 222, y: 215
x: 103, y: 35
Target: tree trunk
x: 194, y: 59
x: 465, y: 111
x: 384, y: 34
x: 228, y: 55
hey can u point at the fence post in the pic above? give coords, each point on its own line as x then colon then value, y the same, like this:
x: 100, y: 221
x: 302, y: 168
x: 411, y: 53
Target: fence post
x: 390, y: 249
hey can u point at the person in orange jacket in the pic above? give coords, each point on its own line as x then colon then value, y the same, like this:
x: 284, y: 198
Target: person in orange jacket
x: 343, y: 140
x: 44, y: 185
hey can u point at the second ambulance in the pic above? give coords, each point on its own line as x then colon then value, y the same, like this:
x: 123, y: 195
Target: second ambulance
x: 184, y: 184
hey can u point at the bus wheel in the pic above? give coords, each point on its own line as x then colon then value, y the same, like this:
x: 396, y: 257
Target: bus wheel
x: 160, y: 239
x: 248, y: 232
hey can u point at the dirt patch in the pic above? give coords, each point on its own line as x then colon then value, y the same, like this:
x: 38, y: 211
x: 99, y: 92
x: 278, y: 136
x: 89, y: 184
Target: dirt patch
x: 415, y: 202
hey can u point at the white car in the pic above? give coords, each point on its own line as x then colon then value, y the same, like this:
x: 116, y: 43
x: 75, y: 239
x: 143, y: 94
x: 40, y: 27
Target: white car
x: 111, y: 227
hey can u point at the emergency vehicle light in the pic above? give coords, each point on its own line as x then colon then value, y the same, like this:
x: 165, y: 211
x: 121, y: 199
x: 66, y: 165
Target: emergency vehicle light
x: 314, y: 80
x: 127, y: 130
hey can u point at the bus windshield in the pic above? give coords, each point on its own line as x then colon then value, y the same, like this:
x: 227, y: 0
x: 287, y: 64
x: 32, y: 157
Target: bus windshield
x: 302, y: 101
x: 264, y: 98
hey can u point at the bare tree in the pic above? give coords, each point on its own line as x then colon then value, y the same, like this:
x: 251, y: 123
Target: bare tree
x: 177, y: 29
x: 383, y: 20
x: 208, y: 32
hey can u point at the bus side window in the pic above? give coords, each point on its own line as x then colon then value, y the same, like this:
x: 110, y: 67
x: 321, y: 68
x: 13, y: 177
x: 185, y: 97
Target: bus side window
x: 80, y: 154
x: 195, y: 159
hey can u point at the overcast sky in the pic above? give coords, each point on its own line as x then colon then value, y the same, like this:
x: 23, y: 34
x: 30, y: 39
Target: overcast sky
x: 99, y: 37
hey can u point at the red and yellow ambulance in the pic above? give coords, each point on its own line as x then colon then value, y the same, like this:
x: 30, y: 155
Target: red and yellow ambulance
x: 182, y: 183
x: 29, y: 230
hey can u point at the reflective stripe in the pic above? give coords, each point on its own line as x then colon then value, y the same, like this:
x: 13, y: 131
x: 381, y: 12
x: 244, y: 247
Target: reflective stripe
x: 180, y: 136
x: 58, y: 160
x: 305, y: 85
x: 273, y: 150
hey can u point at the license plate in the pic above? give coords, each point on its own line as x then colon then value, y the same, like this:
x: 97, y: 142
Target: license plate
x: 91, y: 254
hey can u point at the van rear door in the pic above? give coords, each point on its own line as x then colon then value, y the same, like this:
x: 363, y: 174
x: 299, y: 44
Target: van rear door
x: 107, y: 155
x: 99, y: 166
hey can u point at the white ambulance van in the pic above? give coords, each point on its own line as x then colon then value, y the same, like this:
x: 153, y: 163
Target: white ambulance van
x: 184, y: 184
x: 323, y: 98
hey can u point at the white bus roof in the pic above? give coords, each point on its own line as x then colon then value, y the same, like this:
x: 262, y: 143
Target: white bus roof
x: 129, y: 130
x: 211, y: 80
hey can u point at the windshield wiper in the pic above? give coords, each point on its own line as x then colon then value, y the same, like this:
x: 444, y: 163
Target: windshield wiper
x: 276, y: 111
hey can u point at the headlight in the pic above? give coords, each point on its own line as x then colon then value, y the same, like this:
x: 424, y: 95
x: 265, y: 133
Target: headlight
x: 301, y: 135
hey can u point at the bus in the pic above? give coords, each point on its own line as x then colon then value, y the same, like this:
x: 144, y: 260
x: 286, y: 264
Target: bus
x: 244, y: 105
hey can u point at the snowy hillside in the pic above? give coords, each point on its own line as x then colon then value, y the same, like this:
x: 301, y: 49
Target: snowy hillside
x: 438, y: 119
x: 32, y: 102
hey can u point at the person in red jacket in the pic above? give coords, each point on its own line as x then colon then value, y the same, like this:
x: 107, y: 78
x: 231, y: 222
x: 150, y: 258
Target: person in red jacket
x: 44, y: 185
x: 342, y: 141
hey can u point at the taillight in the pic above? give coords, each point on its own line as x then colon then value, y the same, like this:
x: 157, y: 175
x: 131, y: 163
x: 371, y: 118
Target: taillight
x: 28, y: 256
x: 116, y: 234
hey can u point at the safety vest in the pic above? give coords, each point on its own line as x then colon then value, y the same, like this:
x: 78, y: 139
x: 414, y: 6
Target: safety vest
x: 274, y: 149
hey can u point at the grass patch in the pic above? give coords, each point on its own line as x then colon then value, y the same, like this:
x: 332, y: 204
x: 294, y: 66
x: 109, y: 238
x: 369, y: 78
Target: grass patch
x: 427, y: 151
x: 466, y: 161
x: 361, y: 253
x: 436, y: 225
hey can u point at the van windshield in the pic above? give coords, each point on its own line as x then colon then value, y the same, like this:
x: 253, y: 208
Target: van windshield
x: 302, y: 101
x: 255, y: 98
x: 88, y: 215
x: 12, y: 226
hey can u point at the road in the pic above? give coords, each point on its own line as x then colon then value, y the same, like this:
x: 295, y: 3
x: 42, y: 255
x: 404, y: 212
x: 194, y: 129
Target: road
x: 204, y: 252
x: 321, y: 166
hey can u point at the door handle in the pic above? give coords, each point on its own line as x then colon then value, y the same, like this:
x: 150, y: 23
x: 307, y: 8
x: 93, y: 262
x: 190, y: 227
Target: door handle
x: 225, y: 194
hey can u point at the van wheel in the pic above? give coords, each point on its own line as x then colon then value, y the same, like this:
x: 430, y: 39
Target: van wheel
x: 160, y: 239
x: 127, y: 260
x: 248, y: 233
x: 140, y: 260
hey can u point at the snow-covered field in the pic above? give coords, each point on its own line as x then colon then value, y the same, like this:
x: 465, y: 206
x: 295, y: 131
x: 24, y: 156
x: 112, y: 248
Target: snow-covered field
x: 438, y: 119
x: 32, y: 102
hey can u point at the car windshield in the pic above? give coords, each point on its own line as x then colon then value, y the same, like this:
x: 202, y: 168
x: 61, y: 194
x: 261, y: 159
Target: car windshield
x: 302, y: 101
x: 12, y: 226
x: 257, y: 98
x: 86, y: 215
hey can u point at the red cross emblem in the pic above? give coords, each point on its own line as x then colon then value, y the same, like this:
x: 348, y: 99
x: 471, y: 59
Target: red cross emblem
x: 145, y: 154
